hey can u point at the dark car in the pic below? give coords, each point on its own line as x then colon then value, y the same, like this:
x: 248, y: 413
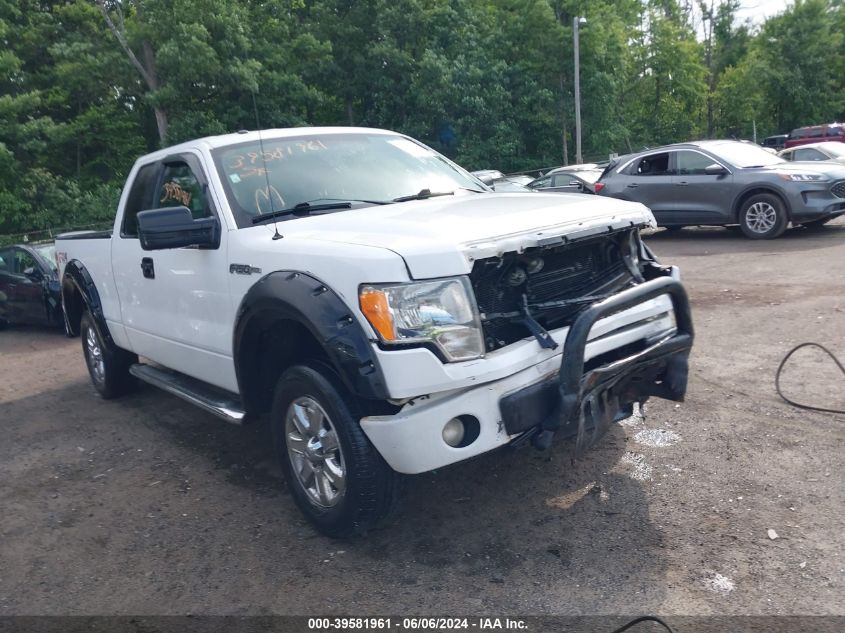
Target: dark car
x: 832, y: 150
x: 29, y: 286
x: 776, y: 142
x: 727, y: 182
x: 816, y: 134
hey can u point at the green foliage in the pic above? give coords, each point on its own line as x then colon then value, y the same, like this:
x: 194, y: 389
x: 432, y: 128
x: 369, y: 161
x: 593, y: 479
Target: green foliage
x: 87, y: 86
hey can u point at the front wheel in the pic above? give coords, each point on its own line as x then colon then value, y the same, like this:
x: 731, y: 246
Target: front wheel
x: 108, y: 367
x: 763, y: 217
x: 336, y: 476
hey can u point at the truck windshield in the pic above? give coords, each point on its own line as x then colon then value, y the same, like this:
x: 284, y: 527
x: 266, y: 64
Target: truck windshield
x: 314, y: 168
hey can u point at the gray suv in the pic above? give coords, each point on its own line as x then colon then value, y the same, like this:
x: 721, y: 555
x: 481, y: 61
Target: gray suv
x: 727, y: 182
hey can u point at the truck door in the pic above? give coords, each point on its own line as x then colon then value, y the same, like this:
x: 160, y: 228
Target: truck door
x: 174, y: 302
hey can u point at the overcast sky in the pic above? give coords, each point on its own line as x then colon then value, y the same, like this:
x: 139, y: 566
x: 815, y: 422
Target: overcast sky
x: 755, y: 11
x: 758, y: 10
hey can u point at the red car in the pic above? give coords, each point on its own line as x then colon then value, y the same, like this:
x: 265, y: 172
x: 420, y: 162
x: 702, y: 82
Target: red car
x: 816, y: 134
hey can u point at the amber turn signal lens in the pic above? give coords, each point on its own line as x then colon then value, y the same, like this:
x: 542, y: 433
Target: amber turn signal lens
x: 375, y: 308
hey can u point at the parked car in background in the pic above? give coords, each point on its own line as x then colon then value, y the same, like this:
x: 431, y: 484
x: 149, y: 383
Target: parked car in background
x: 520, y: 179
x: 816, y: 134
x: 776, y: 142
x: 509, y: 185
x: 487, y: 176
x: 728, y: 182
x: 562, y: 179
x: 829, y: 150
x: 29, y: 286
x: 588, y: 179
x: 497, y: 181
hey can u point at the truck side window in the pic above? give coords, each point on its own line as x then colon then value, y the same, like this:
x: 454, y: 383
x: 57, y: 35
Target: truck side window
x: 140, y: 199
x: 181, y: 188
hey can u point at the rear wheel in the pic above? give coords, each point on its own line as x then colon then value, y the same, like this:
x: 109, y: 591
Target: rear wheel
x: 107, y: 366
x: 336, y: 476
x: 763, y: 217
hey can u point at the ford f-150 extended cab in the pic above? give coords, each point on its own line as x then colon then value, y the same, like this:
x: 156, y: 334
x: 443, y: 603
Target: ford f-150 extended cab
x: 387, y: 311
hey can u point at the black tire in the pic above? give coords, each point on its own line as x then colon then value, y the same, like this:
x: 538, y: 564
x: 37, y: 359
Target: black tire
x: 763, y: 217
x: 815, y: 224
x: 107, y: 365
x: 371, y: 489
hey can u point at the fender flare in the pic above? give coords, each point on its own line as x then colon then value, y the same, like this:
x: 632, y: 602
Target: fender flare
x: 300, y: 297
x: 76, y: 278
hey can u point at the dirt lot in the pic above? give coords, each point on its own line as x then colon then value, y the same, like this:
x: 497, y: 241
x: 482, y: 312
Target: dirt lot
x: 147, y: 506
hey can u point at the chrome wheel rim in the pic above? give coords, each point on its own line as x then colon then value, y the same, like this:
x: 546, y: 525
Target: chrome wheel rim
x: 314, y: 452
x: 95, y: 356
x: 761, y: 217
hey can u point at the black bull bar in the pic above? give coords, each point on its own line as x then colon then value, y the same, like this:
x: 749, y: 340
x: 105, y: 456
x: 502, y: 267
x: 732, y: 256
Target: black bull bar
x: 586, y: 403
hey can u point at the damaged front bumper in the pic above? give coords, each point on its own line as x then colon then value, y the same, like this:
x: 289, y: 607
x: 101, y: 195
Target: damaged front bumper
x: 635, y: 343
x: 583, y: 402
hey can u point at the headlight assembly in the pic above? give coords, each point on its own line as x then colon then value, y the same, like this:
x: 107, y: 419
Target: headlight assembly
x: 442, y: 312
x: 796, y: 177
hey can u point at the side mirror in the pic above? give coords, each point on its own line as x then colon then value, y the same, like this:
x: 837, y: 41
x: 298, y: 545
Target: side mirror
x: 175, y: 227
x: 715, y: 170
x: 487, y: 180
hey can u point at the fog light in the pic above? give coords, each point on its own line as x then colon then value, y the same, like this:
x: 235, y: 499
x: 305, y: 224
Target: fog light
x: 453, y: 432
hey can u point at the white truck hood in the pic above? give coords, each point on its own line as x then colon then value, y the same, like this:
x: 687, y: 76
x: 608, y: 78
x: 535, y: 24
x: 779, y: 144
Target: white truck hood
x: 443, y: 236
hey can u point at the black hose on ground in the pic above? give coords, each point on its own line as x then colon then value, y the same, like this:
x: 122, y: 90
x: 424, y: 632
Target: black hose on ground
x: 780, y: 370
x: 645, y: 618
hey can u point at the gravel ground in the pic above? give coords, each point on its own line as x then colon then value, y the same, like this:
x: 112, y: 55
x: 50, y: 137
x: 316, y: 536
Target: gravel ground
x: 147, y: 506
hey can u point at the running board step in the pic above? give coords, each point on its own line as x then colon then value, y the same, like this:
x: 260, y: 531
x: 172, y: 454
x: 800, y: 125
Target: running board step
x: 218, y: 402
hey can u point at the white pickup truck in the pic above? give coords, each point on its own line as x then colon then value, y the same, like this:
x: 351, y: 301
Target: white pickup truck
x: 387, y: 310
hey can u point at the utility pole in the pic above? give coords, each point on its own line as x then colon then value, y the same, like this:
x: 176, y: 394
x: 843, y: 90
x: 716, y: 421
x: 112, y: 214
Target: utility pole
x: 576, y: 23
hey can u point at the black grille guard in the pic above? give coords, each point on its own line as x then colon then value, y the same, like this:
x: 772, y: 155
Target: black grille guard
x: 574, y: 385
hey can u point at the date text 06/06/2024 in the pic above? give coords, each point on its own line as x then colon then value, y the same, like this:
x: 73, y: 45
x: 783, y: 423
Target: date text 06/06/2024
x: 415, y: 624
